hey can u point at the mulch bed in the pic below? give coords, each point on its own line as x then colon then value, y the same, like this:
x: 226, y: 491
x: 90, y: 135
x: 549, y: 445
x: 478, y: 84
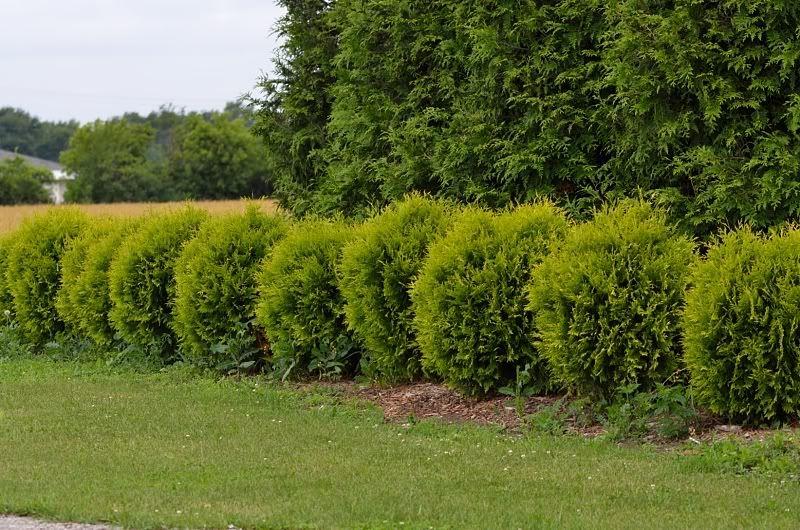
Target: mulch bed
x: 429, y: 400
x: 418, y: 401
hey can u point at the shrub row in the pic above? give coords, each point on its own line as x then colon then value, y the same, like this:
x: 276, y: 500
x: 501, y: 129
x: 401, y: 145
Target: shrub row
x: 515, y: 301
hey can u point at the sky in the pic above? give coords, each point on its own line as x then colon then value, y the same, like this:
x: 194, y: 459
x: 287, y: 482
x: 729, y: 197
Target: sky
x: 90, y: 59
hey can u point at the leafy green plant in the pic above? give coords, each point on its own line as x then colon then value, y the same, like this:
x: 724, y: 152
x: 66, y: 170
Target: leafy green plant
x: 740, y: 327
x: 377, y: 270
x: 522, y: 386
x: 779, y: 454
x: 300, y: 305
x: 608, y: 301
x: 469, y: 299
x: 34, y: 270
x: 667, y: 412
x: 12, y: 343
x: 551, y: 419
x: 674, y: 411
x: 216, y: 289
x: 142, y: 280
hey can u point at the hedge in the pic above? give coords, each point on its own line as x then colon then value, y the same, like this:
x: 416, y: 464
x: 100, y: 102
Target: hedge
x: 88, y: 292
x: 300, y: 305
x: 70, y: 300
x: 608, y: 301
x: 705, y: 106
x: 377, y: 271
x: 142, y: 280
x: 515, y: 301
x: 34, y: 274
x: 470, y: 304
x: 6, y: 297
x: 742, y: 327
x: 214, y: 313
x: 691, y: 101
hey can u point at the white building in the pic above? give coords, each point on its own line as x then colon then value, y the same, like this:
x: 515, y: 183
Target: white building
x: 58, y: 186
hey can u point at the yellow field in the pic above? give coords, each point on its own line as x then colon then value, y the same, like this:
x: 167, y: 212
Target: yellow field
x: 12, y: 216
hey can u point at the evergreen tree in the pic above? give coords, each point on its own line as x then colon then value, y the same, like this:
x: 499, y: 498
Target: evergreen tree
x: 295, y: 108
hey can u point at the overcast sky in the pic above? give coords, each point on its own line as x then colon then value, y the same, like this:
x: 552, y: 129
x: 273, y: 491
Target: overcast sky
x: 88, y: 59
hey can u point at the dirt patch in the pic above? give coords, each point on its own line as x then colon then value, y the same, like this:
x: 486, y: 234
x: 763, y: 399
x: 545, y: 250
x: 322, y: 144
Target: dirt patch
x: 429, y: 400
x: 418, y: 401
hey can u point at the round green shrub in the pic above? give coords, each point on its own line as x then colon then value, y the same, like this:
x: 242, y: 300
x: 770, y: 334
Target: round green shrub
x: 72, y: 265
x: 6, y: 297
x: 300, y: 306
x: 377, y: 270
x: 216, y: 287
x: 34, y: 270
x: 742, y: 327
x: 84, y: 300
x: 142, y: 280
x: 469, y: 300
x: 608, y: 300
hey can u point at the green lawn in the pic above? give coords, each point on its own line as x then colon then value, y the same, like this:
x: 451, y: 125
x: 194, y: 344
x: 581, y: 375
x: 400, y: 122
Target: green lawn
x: 86, y: 443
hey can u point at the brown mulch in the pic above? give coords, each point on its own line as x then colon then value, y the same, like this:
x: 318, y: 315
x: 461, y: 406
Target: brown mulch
x: 419, y: 401
x: 428, y: 400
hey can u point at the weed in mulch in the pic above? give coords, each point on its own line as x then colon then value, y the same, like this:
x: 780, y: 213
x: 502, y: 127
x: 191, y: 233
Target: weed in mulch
x: 777, y: 453
x: 665, y: 418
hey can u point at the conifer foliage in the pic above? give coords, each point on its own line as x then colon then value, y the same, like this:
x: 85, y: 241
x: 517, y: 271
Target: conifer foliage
x: 692, y: 101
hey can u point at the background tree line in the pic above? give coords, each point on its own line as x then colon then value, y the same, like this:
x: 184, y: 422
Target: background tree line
x: 26, y: 134
x: 692, y: 103
x: 166, y: 155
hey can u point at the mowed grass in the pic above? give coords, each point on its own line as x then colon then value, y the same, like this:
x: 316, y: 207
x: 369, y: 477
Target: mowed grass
x: 12, y: 216
x: 87, y: 443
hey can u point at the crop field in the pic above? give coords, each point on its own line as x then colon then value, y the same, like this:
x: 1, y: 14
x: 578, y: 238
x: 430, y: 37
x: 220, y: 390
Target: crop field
x: 12, y: 216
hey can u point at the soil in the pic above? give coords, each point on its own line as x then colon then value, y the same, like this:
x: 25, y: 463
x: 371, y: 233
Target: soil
x: 405, y: 403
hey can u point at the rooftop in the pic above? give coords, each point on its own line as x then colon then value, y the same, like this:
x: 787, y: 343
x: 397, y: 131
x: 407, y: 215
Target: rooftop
x: 40, y: 162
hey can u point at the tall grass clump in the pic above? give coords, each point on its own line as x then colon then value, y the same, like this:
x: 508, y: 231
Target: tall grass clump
x: 377, y: 271
x: 608, y: 301
x: 300, y: 305
x: 142, y: 280
x: 216, y: 289
x: 472, y: 323
x: 34, y: 270
x: 742, y: 327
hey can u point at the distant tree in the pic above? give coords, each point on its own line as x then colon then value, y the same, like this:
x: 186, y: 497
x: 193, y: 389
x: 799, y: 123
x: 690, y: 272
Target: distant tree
x: 241, y: 109
x: 163, y: 121
x: 217, y: 158
x: 21, y: 132
x: 23, y: 183
x: 110, y: 162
